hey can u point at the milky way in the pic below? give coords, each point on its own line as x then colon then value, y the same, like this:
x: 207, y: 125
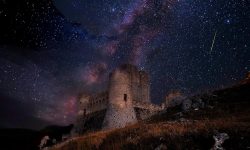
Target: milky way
x: 67, y: 47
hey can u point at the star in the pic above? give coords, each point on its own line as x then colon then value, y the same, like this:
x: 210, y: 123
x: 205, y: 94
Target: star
x: 50, y: 52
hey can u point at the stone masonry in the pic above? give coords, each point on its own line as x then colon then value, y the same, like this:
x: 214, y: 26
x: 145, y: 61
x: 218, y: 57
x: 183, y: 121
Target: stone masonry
x: 126, y: 101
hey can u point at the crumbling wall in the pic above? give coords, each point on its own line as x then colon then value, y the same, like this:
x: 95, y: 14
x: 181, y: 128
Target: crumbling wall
x: 90, y: 122
x: 144, y: 87
x: 83, y: 103
x: 98, y: 102
x: 145, y: 109
x: 174, y: 98
x: 92, y: 103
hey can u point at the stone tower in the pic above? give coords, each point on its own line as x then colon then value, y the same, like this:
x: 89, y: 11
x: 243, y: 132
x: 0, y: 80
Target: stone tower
x: 120, y: 111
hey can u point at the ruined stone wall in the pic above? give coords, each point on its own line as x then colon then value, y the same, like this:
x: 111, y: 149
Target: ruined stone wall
x: 83, y: 103
x: 149, y: 106
x: 88, y: 107
x: 98, y: 102
x: 89, y: 104
x: 144, y: 87
x: 145, y: 110
x: 174, y: 98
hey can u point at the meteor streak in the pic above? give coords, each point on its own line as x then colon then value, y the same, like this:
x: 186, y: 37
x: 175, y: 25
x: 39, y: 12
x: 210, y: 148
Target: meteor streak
x: 212, y: 46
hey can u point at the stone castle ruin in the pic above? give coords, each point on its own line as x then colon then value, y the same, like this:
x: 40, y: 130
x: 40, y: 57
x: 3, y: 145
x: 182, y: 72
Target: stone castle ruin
x: 126, y: 101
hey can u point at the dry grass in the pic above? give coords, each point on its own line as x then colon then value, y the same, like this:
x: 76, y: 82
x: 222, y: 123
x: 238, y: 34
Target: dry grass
x: 139, y: 134
x: 229, y: 114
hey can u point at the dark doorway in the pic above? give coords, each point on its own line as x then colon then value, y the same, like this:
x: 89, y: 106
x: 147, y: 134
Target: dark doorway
x: 125, y: 97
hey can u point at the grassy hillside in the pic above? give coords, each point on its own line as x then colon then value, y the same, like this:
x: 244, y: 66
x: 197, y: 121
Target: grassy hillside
x: 225, y: 111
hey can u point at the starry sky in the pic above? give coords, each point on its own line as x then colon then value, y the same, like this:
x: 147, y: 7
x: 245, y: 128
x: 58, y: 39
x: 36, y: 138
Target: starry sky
x: 53, y: 50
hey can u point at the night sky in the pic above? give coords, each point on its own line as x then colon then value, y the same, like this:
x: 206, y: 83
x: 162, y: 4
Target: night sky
x: 51, y: 51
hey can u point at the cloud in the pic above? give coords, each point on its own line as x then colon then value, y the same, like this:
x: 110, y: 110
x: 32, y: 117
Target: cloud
x: 139, y: 43
x: 110, y: 48
x: 62, y: 113
x: 130, y: 15
x: 94, y: 73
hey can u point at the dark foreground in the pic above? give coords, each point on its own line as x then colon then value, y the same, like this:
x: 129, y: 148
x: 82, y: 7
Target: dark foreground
x: 25, y: 139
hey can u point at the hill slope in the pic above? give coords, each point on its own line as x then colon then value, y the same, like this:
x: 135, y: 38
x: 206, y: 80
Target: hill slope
x: 225, y: 111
